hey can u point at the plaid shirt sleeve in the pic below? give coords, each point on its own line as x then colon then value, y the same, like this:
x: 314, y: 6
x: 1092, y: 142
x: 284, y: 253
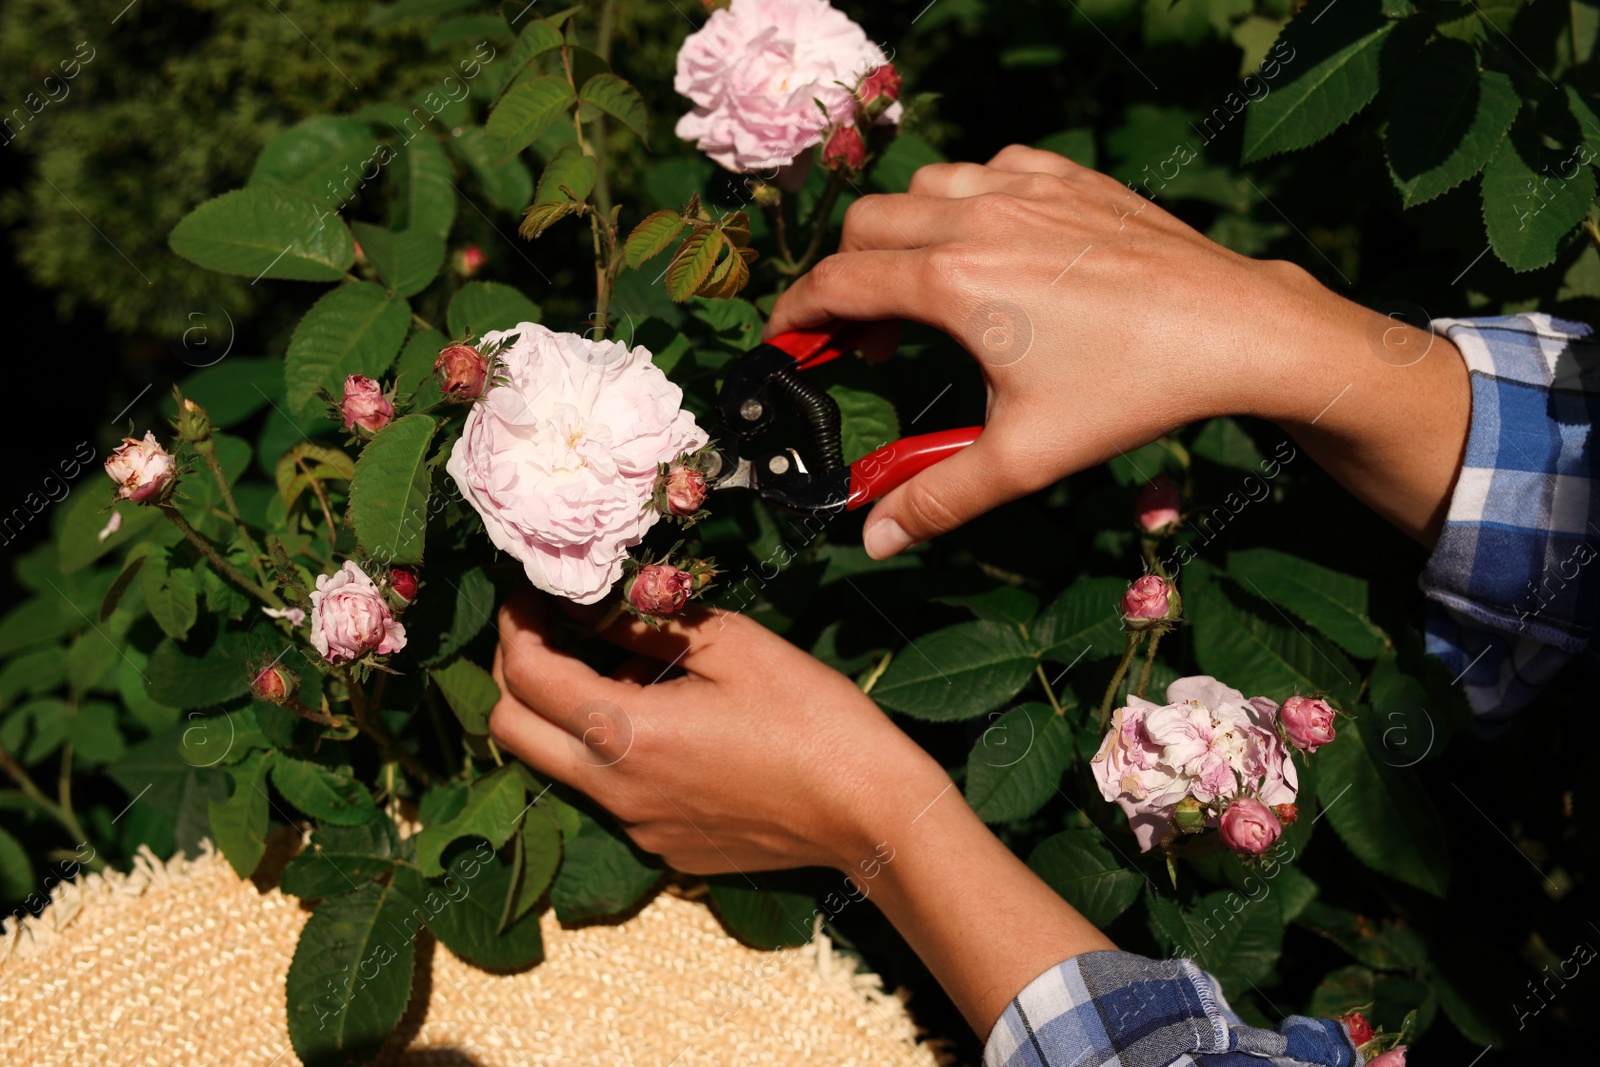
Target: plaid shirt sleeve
x: 1116, y: 1009
x: 1511, y: 600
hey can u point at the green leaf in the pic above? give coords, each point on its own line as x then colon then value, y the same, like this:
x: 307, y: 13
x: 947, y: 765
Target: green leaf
x: 480, y: 307
x: 1084, y: 621
x: 180, y: 680
x: 906, y: 154
x: 16, y: 869
x: 322, y: 792
x: 389, y: 494
x: 1258, y: 657
x: 490, y: 812
x: 342, y: 858
x: 1335, y: 73
x: 956, y: 673
x: 406, y: 261
x: 870, y: 421
x: 425, y: 195
x: 569, y: 176
x: 1077, y: 865
x: 169, y: 593
x: 506, y: 182
x: 761, y: 916
x: 1017, y: 763
x: 322, y: 157
x: 474, y: 608
x: 1076, y: 144
x: 350, y: 978
x: 36, y: 729
x: 539, y: 217
x: 1391, y: 946
x: 692, y: 262
x: 1003, y: 603
x: 413, y: 371
x: 78, y: 542
x: 1235, y: 938
x: 652, y: 236
x: 464, y: 909
x: 1334, y: 603
x: 234, y: 389
x: 524, y: 113
x: 601, y: 874
x: 537, y: 37
x: 1530, y: 201
x: 239, y: 824
x: 265, y: 232
x: 539, y: 851
x: 616, y: 97
x: 1224, y: 442
x: 354, y: 329
x: 1381, y: 812
x: 1446, y: 120
x: 471, y: 693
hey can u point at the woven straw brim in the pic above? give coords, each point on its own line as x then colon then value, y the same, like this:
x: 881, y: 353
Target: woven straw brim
x: 183, y: 963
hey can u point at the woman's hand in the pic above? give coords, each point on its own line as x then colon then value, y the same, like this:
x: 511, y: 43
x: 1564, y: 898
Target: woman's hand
x: 1101, y: 322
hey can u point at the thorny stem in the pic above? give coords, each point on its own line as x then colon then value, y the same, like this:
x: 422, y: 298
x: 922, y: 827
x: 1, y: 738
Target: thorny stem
x: 776, y: 216
x: 819, y: 223
x: 312, y: 715
x: 369, y: 725
x: 1149, y: 662
x: 1116, y: 679
x: 226, y: 569
x: 322, y: 498
x: 208, y: 452
x: 1048, y: 691
x: 602, y: 180
x: 64, y: 816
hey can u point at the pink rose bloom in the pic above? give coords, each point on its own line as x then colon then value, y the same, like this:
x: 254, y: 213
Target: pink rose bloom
x: 660, y: 589
x: 143, y: 470
x: 562, y: 460
x: 1249, y: 827
x: 1147, y: 598
x: 1308, y: 721
x: 349, y: 617
x: 364, y: 405
x: 1154, y: 755
x: 1395, y: 1057
x: 1156, y: 505
x: 686, y: 490
x: 756, y: 72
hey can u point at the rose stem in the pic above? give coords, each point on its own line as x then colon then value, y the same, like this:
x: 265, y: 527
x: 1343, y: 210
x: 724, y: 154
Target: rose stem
x: 608, y: 620
x: 322, y: 498
x: 1149, y: 661
x: 392, y: 749
x: 66, y: 818
x: 226, y: 569
x: 312, y: 715
x: 819, y: 222
x: 1116, y: 679
x: 1049, y: 692
x: 776, y: 216
x: 208, y: 452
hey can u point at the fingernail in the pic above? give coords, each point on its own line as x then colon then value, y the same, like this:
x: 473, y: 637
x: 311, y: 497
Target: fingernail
x: 884, y: 538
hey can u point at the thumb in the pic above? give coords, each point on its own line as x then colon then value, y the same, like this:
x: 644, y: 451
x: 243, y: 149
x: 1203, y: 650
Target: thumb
x: 946, y: 495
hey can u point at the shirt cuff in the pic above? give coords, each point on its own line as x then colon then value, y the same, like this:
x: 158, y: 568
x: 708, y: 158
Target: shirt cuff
x: 1511, y: 598
x: 1117, y: 1007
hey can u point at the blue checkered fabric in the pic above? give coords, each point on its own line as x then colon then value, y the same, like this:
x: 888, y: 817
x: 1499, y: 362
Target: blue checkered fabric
x: 1116, y: 1009
x: 1511, y: 597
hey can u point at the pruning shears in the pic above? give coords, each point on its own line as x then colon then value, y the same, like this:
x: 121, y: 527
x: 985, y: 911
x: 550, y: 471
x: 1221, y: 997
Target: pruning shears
x: 815, y: 481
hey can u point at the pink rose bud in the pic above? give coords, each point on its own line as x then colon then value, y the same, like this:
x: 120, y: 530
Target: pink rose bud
x: 463, y: 373
x: 274, y: 685
x: 350, y: 618
x: 845, y: 150
x: 470, y: 260
x: 364, y: 408
x: 882, y: 84
x: 1148, y: 599
x: 1395, y: 1057
x: 361, y: 256
x: 1307, y: 722
x: 660, y: 589
x: 686, y: 489
x: 1287, y: 814
x: 144, y: 471
x: 1360, y: 1029
x: 1249, y: 827
x: 404, y: 583
x: 1156, y: 505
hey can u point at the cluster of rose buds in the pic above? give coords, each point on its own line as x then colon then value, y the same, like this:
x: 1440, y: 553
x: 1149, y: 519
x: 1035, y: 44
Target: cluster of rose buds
x: 844, y: 149
x: 1151, y: 604
x: 1156, y: 506
x: 365, y: 408
x: 145, y: 472
x: 464, y: 373
x: 1307, y: 722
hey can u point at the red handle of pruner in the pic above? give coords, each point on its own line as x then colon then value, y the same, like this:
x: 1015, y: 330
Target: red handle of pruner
x: 896, y: 463
x: 814, y: 347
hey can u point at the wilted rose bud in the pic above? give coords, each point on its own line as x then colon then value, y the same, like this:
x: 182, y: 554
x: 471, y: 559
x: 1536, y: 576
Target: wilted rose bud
x: 364, y: 408
x: 845, y: 150
x: 1148, y: 601
x: 470, y: 260
x: 1287, y: 814
x: 274, y: 685
x: 463, y: 373
x: 194, y: 425
x: 1360, y: 1029
x: 686, y: 489
x: 660, y: 589
x: 145, y: 472
x: 1156, y: 505
x: 881, y: 87
x: 1189, y: 816
x: 1249, y: 827
x: 1307, y: 722
x: 1395, y: 1057
x: 403, y: 583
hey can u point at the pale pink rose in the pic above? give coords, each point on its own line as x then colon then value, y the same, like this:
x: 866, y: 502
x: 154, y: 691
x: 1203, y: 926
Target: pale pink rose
x: 349, y: 617
x: 364, y: 405
x: 1249, y: 827
x: 756, y: 72
x: 294, y: 616
x: 143, y: 470
x: 1201, y: 743
x: 1147, y: 598
x: 1308, y: 722
x: 1156, y: 505
x: 562, y: 459
x: 660, y: 589
x: 1395, y: 1057
x: 686, y: 490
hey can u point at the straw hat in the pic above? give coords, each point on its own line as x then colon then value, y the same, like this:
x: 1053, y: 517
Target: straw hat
x: 183, y: 962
